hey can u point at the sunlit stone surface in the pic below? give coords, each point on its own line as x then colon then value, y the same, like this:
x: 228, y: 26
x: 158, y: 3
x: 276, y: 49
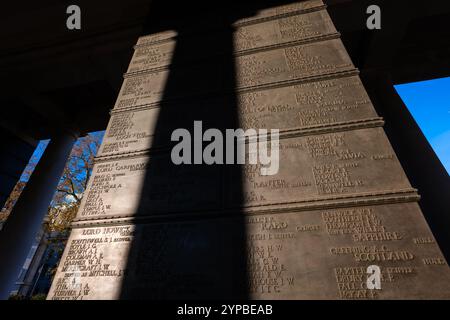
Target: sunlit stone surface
x: 339, y: 203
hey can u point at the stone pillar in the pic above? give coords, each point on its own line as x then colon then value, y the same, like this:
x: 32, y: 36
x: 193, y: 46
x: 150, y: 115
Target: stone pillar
x: 25, y: 220
x: 149, y: 228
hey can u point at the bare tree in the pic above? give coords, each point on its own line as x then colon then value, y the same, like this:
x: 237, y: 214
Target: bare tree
x: 73, y: 182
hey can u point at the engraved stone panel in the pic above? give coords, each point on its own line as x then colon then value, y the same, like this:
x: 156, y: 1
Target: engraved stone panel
x: 261, y: 15
x: 145, y: 128
x: 143, y: 89
x: 263, y: 68
x: 267, y: 33
x: 93, y: 264
x: 296, y: 62
x: 282, y: 10
x: 152, y: 87
x: 283, y: 30
x: 156, y: 37
x: 142, y: 129
x: 325, y: 254
x: 305, y: 105
x: 308, y: 104
x: 324, y: 166
x: 342, y: 163
x: 149, y: 185
x: 152, y: 57
x: 319, y: 254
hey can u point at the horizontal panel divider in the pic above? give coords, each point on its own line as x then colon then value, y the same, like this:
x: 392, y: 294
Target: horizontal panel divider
x: 284, y: 134
x: 245, y: 22
x: 337, y: 202
x: 278, y: 84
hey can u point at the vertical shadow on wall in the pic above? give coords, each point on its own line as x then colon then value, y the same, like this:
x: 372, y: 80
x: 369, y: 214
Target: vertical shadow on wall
x: 193, y: 249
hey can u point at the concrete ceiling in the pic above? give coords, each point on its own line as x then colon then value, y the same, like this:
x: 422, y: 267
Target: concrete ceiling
x: 54, y: 79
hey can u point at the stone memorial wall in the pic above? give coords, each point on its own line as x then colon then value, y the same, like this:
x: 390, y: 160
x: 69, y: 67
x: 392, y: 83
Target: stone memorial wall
x: 340, y: 202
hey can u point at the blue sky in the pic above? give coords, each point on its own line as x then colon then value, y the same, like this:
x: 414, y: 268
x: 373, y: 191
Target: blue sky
x: 429, y: 104
x: 37, y: 154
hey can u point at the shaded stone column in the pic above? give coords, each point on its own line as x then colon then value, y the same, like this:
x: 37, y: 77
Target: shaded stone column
x: 26, y: 218
x: 418, y: 159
